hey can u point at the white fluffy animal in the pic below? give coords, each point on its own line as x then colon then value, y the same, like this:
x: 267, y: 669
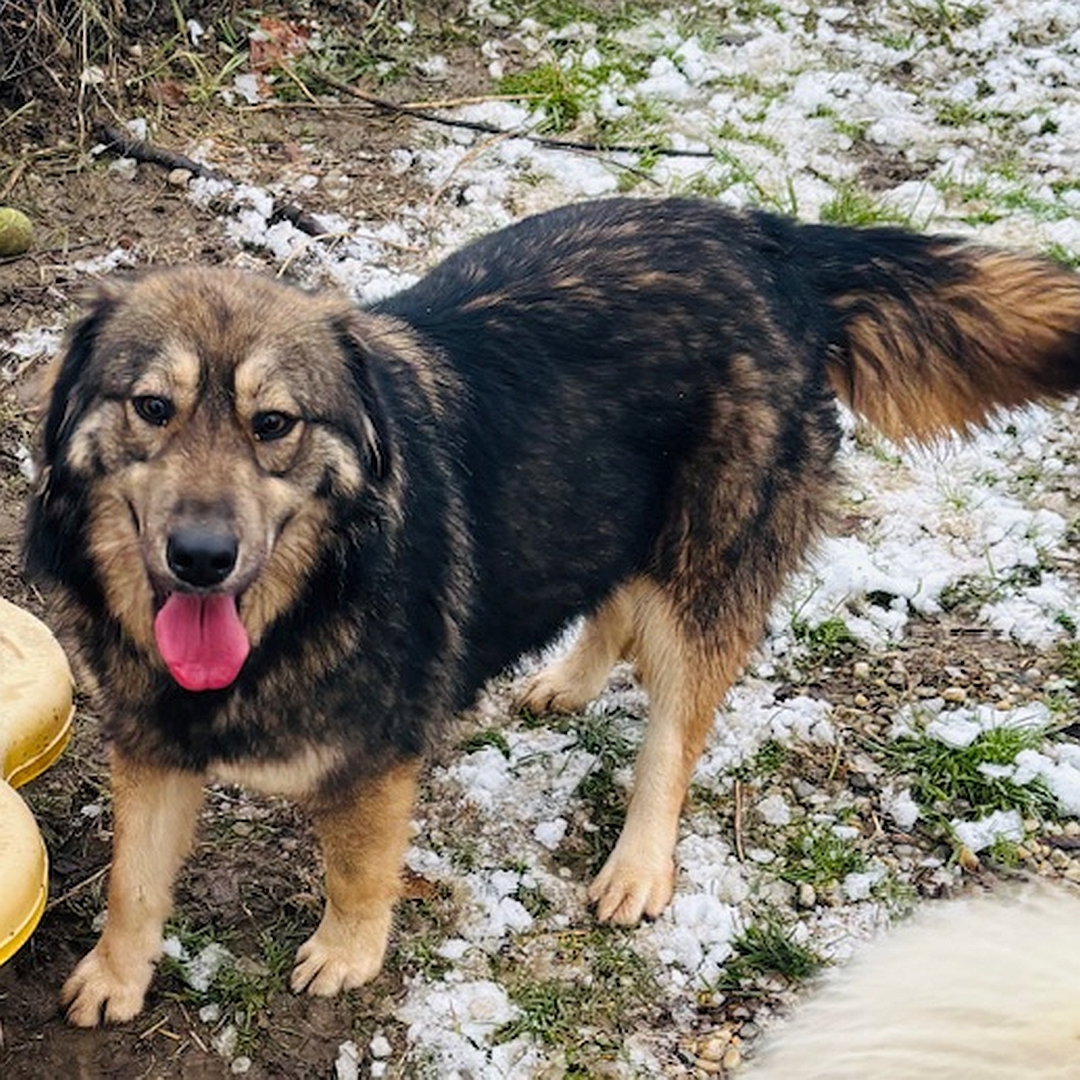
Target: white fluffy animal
x: 986, y: 988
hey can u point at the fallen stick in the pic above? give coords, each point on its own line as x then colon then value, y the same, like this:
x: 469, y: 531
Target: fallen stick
x: 117, y: 141
x: 418, y: 112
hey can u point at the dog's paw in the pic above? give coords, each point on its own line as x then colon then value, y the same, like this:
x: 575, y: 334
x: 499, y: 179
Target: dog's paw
x: 551, y: 690
x: 97, y: 992
x: 337, y: 958
x: 627, y: 889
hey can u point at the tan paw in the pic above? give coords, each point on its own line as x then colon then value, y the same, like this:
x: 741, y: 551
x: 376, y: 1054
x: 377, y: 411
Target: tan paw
x: 337, y: 958
x: 552, y: 690
x: 627, y: 889
x: 96, y: 992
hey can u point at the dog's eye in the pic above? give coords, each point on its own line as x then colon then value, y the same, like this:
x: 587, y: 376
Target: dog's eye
x: 153, y: 409
x: 267, y: 426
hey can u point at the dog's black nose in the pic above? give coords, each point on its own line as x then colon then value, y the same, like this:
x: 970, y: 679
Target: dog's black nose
x: 201, y: 556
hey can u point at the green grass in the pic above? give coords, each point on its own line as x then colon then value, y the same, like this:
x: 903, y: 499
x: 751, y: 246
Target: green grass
x: 588, y: 1017
x: 978, y: 589
x: 829, y: 640
x: 939, y: 19
x: 242, y: 989
x: 552, y: 88
x: 1068, y: 653
x: 817, y: 856
x: 767, y: 948
x: 480, y: 740
x: 599, y: 788
x: 947, y: 781
x: 771, y: 757
x: 851, y: 205
x: 606, y: 17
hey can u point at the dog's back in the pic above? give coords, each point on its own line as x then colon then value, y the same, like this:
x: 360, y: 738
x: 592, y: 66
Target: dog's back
x: 978, y: 989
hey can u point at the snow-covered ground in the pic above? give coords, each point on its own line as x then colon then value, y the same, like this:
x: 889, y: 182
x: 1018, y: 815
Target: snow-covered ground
x: 944, y: 116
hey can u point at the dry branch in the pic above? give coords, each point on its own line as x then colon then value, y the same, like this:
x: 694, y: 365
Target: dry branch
x: 118, y: 142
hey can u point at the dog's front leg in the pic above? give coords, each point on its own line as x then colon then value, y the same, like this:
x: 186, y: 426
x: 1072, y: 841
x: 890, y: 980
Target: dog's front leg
x: 363, y: 840
x: 154, y: 816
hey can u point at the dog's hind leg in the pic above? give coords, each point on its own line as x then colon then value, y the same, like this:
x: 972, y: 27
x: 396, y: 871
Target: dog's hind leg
x: 155, y: 812
x: 579, y: 676
x: 363, y: 841
x: 686, y: 677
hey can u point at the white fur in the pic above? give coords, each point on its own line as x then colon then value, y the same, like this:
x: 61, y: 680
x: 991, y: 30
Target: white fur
x: 980, y: 989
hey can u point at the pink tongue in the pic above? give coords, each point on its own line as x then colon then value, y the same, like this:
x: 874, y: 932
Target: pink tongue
x: 201, y: 640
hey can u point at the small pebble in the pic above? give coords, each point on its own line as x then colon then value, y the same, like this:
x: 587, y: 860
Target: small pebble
x: 179, y: 177
x: 715, y: 1046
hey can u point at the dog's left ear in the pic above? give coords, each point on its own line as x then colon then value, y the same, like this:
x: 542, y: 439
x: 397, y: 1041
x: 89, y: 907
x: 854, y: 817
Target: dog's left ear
x: 370, y: 424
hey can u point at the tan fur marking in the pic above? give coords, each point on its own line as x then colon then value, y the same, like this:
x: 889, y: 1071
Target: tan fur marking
x: 363, y: 841
x: 117, y: 551
x: 579, y: 675
x: 155, y: 813
x: 1016, y: 318
x: 298, y: 777
x: 686, y: 678
x: 175, y: 373
x: 284, y: 572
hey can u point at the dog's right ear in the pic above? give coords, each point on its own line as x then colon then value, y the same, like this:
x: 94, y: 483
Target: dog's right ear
x: 65, y: 393
x: 57, y: 511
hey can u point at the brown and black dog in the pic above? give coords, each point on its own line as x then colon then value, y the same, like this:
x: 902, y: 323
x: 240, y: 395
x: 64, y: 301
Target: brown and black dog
x: 290, y: 537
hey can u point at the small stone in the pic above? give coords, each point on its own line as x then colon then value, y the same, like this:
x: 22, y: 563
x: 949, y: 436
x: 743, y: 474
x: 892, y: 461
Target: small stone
x: 860, y: 669
x: 225, y: 1041
x: 240, y: 1065
x: 380, y: 1046
x: 715, y: 1046
x: 954, y: 693
x: 968, y: 860
x: 860, y: 701
x: 807, y: 896
x: 731, y: 1059
x: 710, y: 1068
x: 179, y: 177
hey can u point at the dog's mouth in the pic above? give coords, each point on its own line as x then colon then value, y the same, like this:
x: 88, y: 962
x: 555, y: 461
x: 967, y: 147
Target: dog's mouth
x: 201, y: 639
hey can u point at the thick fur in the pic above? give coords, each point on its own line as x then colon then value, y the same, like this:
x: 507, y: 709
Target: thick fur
x: 623, y: 410
x: 982, y: 988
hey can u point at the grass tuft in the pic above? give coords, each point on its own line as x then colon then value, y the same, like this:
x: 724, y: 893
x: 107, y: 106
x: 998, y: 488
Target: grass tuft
x: 817, y: 856
x: 767, y: 949
x: 949, y: 781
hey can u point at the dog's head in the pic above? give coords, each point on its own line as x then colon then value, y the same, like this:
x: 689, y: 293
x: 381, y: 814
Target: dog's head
x: 207, y: 429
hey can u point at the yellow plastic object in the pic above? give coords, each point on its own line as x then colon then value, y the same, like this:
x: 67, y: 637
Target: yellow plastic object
x: 35, y: 724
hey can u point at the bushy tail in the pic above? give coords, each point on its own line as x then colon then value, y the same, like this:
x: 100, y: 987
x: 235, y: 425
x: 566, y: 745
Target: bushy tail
x: 937, y: 334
